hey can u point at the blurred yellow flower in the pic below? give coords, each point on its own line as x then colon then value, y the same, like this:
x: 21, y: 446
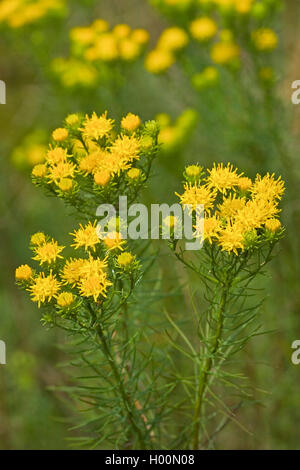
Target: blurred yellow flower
x: 224, y: 52
x: 158, y: 61
x: 102, y: 177
x: 173, y: 39
x: 264, y: 39
x: 203, y: 29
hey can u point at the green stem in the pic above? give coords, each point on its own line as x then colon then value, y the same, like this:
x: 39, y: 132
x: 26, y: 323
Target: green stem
x: 128, y: 405
x: 208, y: 362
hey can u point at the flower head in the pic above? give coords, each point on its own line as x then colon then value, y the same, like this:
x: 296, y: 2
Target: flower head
x: 44, y: 288
x: 203, y: 29
x: 196, y: 195
x: 86, y: 237
x: 114, y: 241
x: 23, y: 273
x: 223, y: 178
x: 125, y: 259
x: 65, y: 299
x: 38, y: 238
x: 48, y: 252
x: 131, y: 122
x: 60, y: 134
x: 97, y: 127
x: 231, y: 238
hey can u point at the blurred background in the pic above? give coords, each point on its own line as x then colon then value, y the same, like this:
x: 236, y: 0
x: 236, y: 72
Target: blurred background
x: 208, y: 112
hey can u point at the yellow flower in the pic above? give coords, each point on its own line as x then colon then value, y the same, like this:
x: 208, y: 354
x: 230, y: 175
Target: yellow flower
x: 97, y: 127
x: 24, y: 272
x: 82, y: 35
x: 105, y: 48
x: 60, y: 171
x: 92, y: 267
x: 224, y: 52
x: 72, y: 119
x: 273, y: 225
x: 44, y: 288
x: 192, y: 171
x: 72, y: 271
x: 65, y: 299
x: 100, y: 25
x: 36, y: 154
x: 223, y: 178
x: 102, y: 177
x: 113, y: 241
x: 173, y: 39
x: 244, y: 183
x: 126, y: 148
x: 131, y: 122
x: 195, y: 195
x: 38, y: 238
x: 212, y: 227
x: 48, y: 252
x: 56, y: 155
x: 231, y: 206
x: 231, y: 238
x: 243, y: 6
x: 126, y: 258
x: 86, y: 236
x: 264, y: 39
x: 91, y: 162
x: 255, y: 213
x: 39, y: 171
x: 158, y: 61
x: 60, y: 134
x: 140, y: 36
x: 203, y: 28
x: 122, y: 31
x: 94, y: 286
x: 134, y: 173
x: 267, y: 187
x: 129, y: 50
x: 65, y: 184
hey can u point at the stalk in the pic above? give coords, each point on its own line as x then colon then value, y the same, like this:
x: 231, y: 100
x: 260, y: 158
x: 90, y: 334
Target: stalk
x: 208, y: 363
x: 128, y: 405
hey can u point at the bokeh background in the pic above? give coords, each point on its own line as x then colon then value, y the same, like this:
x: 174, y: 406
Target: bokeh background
x: 229, y: 121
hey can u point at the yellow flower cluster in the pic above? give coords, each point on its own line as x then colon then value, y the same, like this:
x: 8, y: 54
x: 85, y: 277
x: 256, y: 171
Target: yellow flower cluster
x: 84, y: 276
x: 239, y: 212
x: 18, y: 13
x: 207, y: 29
x: 97, y: 45
x: 31, y: 151
x: 88, y: 148
x: 171, y: 42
